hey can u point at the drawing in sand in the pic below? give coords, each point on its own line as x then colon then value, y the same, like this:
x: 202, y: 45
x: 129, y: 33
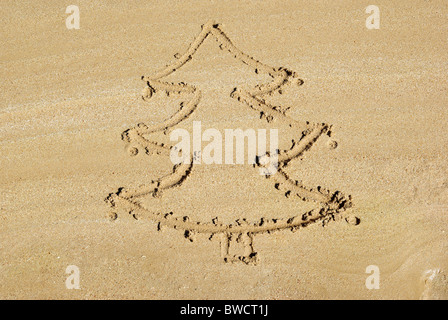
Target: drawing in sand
x: 331, y: 205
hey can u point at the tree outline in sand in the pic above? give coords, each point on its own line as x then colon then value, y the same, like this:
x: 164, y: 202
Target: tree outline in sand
x: 332, y: 204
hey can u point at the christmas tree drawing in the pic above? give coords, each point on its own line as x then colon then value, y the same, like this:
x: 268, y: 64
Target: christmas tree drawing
x: 331, y: 206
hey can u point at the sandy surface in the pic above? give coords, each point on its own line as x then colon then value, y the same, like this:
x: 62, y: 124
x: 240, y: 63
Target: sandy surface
x: 68, y: 95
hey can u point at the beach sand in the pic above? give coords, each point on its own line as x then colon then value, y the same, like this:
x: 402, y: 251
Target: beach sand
x: 68, y: 96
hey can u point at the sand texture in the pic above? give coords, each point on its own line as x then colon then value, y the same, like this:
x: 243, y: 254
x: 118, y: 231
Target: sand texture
x: 87, y: 114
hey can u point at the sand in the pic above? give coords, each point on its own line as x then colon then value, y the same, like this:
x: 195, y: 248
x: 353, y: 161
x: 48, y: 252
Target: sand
x: 83, y: 186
